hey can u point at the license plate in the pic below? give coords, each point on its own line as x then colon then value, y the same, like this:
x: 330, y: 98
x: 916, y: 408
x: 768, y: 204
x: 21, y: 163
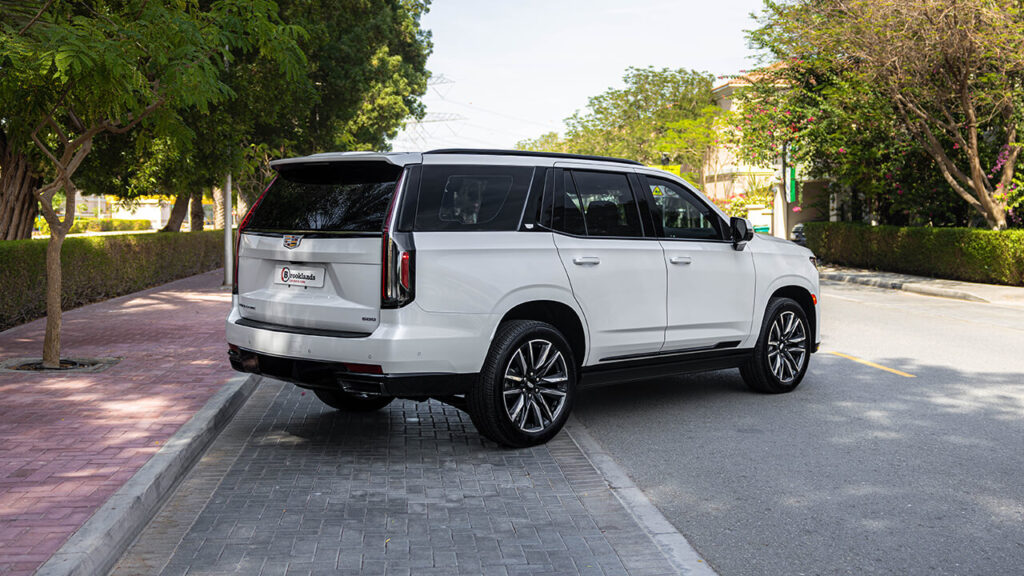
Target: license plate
x: 312, y: 276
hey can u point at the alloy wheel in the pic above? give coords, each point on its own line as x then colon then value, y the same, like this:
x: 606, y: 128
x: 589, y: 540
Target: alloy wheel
x: 535, y: 385
x: 787, y: 346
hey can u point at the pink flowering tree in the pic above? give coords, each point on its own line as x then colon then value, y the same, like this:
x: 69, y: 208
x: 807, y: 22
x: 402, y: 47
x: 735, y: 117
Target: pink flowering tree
x: 950, y: 72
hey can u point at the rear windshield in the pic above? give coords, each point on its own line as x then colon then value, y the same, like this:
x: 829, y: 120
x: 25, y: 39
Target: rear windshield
x: 345, y: 197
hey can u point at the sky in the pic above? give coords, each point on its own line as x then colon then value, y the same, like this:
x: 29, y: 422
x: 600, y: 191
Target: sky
x: 510, y: 70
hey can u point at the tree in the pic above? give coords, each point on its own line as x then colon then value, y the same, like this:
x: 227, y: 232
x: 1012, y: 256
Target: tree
x: 630, y: 122
x: 633, y: 122
x: 695, y: 142
x: 845, y: 131
x: 364, y: 73
x: 953, y: 72
x: 547, y: 142
x: 74, y: 70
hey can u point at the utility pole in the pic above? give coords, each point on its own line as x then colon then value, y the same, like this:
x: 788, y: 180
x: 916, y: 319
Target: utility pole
x: 785, y: 194
x: 229, y: 260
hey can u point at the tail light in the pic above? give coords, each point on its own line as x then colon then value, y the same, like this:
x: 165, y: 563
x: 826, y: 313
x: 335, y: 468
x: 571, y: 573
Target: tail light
x: 241, y: 227
x: 398, y: 259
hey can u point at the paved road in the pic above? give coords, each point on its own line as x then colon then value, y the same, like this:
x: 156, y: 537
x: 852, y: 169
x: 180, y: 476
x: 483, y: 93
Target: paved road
x: 861, y: 470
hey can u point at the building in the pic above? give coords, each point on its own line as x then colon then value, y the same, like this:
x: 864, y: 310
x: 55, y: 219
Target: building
x: 793, y: 200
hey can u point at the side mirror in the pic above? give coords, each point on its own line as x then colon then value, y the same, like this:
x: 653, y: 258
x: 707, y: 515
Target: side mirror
x: 742, y: 232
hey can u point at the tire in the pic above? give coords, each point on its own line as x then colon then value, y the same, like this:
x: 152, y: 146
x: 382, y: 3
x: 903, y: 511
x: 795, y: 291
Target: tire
x: 352, y: 402
x: 783, y: 349
x: 527, y: 386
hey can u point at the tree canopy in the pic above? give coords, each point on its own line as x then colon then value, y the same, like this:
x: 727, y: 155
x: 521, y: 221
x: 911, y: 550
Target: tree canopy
x: 70, y: 71
x: 638, y: 121
x: 948, y: 76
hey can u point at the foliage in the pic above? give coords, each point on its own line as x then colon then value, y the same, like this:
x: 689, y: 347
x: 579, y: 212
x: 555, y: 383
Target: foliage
x: 363, y: 74
x: 547, y: 142
x: 951, y: 73
x: 695, y: 142
x: 846, y: 132
x: 100, y: 267
x: 956, y: 253
x: 98, y: 225
x: 74, y: 70
x: 631, y: 122
x: 757, y: 194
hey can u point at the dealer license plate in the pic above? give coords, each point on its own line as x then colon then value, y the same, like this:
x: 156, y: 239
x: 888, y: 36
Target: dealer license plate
x: 311, y: 276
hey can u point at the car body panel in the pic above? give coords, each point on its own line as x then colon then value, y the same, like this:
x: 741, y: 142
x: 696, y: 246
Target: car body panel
x: 636, y: 302
x: 620, y: 286
x: 711, y: 289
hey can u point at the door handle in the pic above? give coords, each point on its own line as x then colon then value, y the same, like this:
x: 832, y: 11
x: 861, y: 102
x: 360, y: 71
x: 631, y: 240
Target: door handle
x: 681, y: 260
x: 586, y: 260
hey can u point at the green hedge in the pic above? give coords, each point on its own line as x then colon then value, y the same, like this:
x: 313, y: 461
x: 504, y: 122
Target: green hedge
x: 100, y: 267
x: 968, y: 254
x: 99, y: 225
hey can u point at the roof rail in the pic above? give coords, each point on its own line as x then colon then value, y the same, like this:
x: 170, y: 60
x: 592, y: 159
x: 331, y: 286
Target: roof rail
x: 490, y: 152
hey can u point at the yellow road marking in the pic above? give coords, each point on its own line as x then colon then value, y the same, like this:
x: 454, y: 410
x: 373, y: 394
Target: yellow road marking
x: 873, y: 365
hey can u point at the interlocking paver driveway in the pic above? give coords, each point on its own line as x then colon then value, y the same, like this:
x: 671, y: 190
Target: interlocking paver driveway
x: 293, y: 487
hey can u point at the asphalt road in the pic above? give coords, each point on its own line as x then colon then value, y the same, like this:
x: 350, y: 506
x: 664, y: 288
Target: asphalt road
x: 860, y: 470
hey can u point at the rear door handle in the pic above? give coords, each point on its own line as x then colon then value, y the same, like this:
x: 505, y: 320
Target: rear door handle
x: 586, y: 260
x: 681, y: 260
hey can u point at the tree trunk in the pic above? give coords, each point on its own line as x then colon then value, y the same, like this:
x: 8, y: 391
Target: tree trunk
x: 241, y: 208
x: 218, y: 208
x: 178, y: 212
x: 18, y: 204
x: 51, y: 341
x: 196, y: 215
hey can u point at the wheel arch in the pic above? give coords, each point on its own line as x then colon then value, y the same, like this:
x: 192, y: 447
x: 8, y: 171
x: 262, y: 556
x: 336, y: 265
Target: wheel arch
x: 803, y: 297
x: 559, y: 315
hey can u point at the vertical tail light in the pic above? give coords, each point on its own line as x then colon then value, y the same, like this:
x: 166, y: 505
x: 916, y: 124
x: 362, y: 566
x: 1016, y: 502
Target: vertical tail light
x: 241, y: 227
x: 398, y: 259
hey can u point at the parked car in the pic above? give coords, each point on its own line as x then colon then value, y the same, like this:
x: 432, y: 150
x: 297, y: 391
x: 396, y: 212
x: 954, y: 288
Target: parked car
x: 501, y: 282
x: 798, y: 235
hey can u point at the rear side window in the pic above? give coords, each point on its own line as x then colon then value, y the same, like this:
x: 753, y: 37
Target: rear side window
x: 338, y: 197
x: 597, y: 204
x: 471, y: 198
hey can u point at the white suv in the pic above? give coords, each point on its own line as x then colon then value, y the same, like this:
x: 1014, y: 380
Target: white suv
x: 502, y: 281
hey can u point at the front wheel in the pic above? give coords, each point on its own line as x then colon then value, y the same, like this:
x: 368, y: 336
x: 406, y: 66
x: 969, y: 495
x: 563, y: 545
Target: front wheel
x: 782, y: 351
x: 527, y: 385
x: 351, y: 401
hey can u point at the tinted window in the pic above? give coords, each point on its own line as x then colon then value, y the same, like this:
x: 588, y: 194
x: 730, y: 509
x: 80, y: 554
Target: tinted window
x: 605, y: 202
x: 568, y: 213
x: 681, y: 214
x: 335, y: 197
x: 471, y: 197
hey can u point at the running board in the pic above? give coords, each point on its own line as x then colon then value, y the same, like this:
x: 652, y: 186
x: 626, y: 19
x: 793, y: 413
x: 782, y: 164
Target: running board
x: 660, y: 367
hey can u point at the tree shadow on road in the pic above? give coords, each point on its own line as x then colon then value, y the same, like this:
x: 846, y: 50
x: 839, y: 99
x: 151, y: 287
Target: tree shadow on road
x: 856, y: 468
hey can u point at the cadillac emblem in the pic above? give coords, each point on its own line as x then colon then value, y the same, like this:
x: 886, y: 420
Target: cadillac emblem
x: 291, y: 240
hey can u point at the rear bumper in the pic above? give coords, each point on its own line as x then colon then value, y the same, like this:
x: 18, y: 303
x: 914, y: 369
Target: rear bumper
x: 336, y: 375
x: 408, y: 340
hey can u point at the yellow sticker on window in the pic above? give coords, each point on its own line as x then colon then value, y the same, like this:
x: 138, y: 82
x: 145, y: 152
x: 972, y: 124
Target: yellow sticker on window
x: 656, y: 190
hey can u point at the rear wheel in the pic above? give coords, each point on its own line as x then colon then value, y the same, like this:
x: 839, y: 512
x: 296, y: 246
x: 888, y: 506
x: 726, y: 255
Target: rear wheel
x: 782, y: 351
x: 352, y: 402
x: 527, y: 385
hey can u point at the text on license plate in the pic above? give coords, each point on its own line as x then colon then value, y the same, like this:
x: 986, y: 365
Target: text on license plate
x: 312, y: 276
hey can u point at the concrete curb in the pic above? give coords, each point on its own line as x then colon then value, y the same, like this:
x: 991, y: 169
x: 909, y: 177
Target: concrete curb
x: 100, y: 542
x: 672, y: 543
x: 915, y: 287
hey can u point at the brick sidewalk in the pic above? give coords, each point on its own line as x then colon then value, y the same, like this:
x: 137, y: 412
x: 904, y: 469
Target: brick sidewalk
x: 68, y: 442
